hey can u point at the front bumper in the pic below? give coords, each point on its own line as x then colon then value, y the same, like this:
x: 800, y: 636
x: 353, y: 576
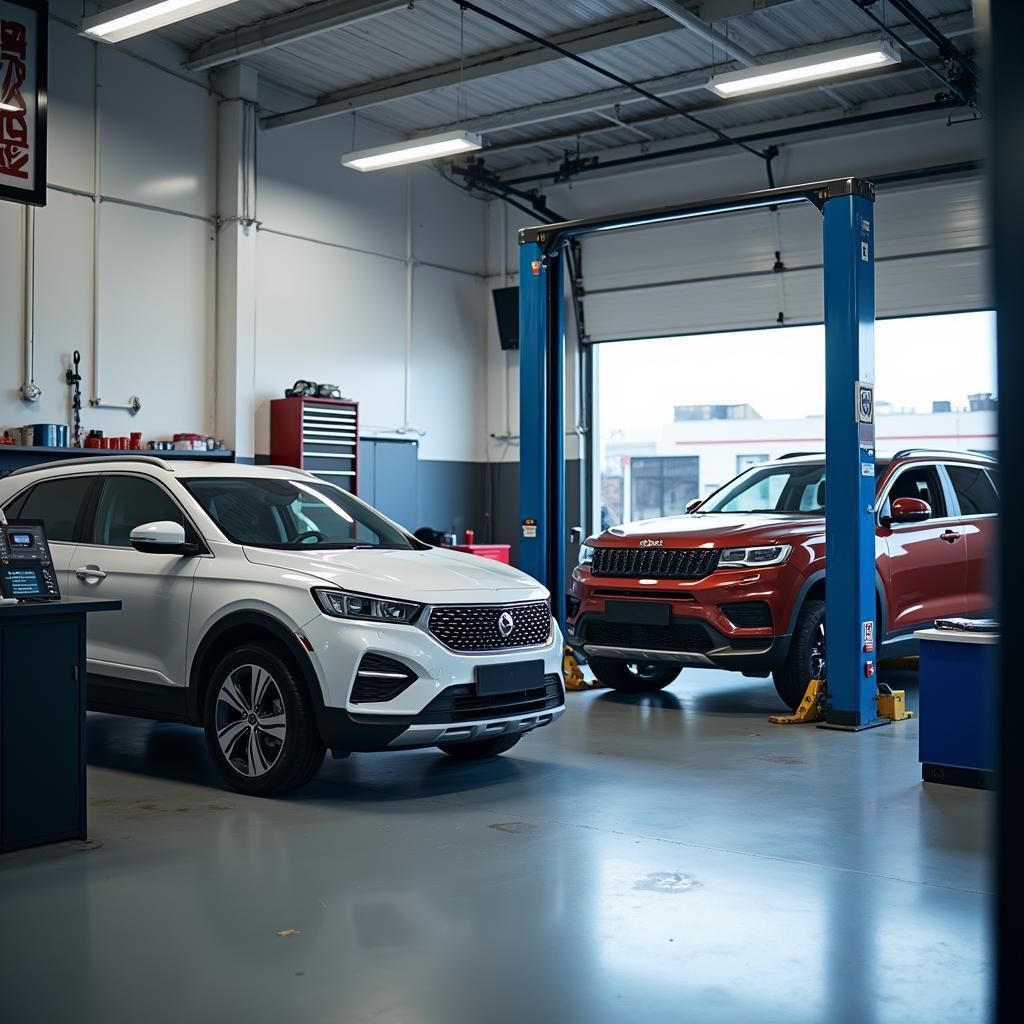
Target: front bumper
x: 700, y: 634
x: 439, y: 707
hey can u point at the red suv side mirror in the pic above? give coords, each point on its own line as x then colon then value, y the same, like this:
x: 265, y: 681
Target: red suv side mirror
x: 910, y: 510
x: 691, y: 505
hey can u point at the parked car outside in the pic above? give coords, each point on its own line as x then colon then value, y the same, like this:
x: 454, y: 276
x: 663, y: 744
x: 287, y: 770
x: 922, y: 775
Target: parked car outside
x: 287, y: 617
x: 739, y: 581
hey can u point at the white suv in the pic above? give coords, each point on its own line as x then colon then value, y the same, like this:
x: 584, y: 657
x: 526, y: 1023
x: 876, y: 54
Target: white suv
x: 287, y: 616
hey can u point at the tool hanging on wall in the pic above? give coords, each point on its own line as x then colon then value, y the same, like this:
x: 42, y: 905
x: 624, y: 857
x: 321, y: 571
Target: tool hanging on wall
x: 74, y: 381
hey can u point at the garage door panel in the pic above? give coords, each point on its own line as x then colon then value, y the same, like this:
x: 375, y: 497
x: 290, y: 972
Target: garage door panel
x: 738, y: 243
x: 704, y: 307
x: 715, y: 274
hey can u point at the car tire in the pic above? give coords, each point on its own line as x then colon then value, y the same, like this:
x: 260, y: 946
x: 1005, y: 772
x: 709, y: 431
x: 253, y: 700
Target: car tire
x: 806, y: 657
x: 480, y: 750
x: 633, y: 678
x: 268, y: 746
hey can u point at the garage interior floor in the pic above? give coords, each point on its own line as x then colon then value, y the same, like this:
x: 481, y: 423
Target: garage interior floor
x: 661, y: 858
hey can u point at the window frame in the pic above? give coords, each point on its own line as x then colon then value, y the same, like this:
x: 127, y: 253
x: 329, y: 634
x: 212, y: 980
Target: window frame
x: 948, y: 497
x: 82, y: 517
x: 192, y: 533
x: 983, y: 468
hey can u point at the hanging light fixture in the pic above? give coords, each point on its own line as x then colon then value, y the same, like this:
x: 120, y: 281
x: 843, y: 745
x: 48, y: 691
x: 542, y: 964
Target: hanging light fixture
x: 810, y: 68
x: 411, y: 151
x: 141, y: 16
x: 429, y: 147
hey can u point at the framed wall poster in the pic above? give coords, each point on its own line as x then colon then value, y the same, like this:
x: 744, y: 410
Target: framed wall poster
x: 23, y: 51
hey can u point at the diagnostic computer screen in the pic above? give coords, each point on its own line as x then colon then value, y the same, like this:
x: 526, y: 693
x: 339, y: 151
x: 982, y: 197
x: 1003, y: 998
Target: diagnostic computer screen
x: 19, y: 540
x: 22, y: 583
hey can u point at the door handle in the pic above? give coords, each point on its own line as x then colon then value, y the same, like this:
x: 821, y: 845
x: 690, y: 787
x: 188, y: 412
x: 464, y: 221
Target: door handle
x: 90, y: 574
x: 950, y: 536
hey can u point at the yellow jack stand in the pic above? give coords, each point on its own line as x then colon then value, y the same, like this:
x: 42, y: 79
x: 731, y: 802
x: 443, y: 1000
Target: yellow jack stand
x: 810, y: 709
x: 571, y: 670
x: 892, y: 704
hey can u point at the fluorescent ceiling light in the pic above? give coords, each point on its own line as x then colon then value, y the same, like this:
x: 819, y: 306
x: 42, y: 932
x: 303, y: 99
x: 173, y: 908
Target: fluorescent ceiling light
x: 10, y: 106
x: 134, y: 19
x: 412, y: 151
x: 813, y: 67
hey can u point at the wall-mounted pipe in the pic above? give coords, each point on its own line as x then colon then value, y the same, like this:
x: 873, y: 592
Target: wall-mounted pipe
x: 133, y: 405
x: 30, y: 391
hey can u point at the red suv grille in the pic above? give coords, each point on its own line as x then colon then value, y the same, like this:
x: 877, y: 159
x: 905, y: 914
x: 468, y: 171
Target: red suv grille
x: 655, y: 563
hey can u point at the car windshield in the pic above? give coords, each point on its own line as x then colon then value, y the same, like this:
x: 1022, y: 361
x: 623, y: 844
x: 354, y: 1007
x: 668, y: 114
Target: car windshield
x: 279, y: 513
x: 794, y: 489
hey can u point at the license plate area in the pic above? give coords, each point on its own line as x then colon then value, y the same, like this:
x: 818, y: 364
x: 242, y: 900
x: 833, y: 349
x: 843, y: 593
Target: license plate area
x: 639, y: 613
x: 514, y: 677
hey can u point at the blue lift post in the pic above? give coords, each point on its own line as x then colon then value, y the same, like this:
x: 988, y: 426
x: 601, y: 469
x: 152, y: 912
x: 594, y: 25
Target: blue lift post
x: 846, y: 204
x: 850, y: 463
x: 542, y: 420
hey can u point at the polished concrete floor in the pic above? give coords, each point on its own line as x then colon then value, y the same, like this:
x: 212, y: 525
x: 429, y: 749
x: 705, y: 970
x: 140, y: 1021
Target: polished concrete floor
x: 667, y: 858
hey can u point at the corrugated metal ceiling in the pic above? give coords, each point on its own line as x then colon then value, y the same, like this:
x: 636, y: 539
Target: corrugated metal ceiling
x: 427, y: 33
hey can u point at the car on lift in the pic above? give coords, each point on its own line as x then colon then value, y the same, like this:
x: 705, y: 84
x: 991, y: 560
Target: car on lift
x: 286, y: 616
x: 738, y: 582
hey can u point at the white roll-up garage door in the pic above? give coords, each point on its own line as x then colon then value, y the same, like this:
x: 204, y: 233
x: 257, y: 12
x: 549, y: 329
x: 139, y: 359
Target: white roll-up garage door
x: 717, y: 274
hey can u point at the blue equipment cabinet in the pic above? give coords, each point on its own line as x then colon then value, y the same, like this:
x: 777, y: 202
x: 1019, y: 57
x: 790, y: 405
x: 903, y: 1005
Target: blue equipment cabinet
x: 848, y: 236
x: 957, y: 692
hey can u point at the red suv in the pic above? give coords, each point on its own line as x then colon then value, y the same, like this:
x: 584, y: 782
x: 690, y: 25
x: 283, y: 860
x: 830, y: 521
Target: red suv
x: 739, y: 581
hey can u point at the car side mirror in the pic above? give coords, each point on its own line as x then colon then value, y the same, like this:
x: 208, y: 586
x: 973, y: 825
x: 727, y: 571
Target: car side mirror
x: 162, y: 538
x: 910, y: 510
x: 692, y: 506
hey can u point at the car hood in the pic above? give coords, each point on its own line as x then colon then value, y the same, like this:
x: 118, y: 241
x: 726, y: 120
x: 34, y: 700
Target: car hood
x: 714, y: 530
x: 425, y: 576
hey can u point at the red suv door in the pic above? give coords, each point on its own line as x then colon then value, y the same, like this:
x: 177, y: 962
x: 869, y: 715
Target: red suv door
x: 926, y: 562
x: 975, y: 491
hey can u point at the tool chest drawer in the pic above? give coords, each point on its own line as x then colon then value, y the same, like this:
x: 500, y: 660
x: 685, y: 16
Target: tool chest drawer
x: 320, y: 435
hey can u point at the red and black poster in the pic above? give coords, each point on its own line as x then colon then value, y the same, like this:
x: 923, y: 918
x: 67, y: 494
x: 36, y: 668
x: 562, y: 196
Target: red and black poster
x: 23, y: 41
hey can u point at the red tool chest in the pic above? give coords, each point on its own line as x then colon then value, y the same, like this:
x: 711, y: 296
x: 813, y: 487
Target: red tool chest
x: 317, y: 434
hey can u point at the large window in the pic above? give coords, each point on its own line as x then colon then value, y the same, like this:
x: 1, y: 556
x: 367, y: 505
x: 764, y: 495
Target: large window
x: 680, y: 418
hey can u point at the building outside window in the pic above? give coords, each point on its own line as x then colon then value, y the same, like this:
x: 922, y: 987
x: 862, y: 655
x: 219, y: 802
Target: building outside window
x: 663, y: 486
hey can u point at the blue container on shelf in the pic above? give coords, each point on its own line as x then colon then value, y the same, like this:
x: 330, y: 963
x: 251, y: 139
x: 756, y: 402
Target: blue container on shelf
x: 49, y: 435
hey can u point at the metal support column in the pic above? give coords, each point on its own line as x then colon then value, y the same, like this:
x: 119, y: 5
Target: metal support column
x: 850, y: 462
x: 542, y: 420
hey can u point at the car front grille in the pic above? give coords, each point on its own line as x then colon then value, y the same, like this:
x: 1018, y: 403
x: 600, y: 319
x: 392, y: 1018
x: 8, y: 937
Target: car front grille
x: 681, y: 635
x: 463, y: 704
x: 655, y: 563
x: 472, y: 628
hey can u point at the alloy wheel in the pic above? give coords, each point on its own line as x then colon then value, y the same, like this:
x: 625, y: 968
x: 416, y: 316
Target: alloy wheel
x: 251, y: 725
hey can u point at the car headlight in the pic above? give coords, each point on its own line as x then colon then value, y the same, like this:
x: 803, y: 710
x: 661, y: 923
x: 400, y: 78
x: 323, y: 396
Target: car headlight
x: 586, y: 555
x: 754, y: 558
x: 344, y: 605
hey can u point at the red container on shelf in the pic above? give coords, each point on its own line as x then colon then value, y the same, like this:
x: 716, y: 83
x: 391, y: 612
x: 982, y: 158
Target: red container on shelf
x: 136, y: 441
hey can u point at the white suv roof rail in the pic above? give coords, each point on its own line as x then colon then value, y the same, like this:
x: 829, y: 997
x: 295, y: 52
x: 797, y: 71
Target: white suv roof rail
x: 149, y: 460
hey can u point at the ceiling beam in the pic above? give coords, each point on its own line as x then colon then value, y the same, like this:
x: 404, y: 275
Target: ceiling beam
x: 669, y: 85
x: 892, y: 110
x: 585, y: 39
x: 286, y: 28
x: 637, y: 123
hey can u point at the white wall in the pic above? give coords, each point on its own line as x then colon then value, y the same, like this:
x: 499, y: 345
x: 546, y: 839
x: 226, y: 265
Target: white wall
x: 332, y: 264
x: 334, y: 283
x: 156, y: 144
x: 861, y: 153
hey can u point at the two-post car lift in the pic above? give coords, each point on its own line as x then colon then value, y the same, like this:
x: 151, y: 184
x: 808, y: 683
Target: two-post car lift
x: 846, y: 206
